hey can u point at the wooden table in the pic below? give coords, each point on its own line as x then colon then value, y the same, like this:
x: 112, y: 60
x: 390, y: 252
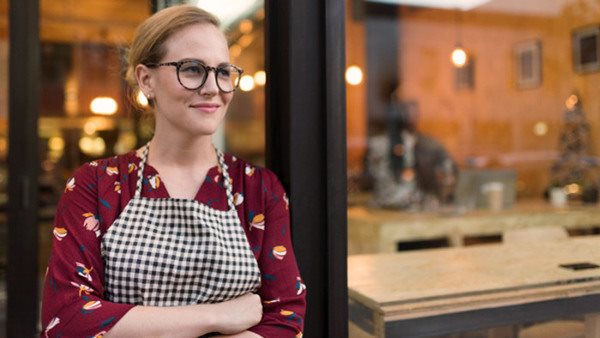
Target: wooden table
x: 441, y: 291
x: 373, y: 230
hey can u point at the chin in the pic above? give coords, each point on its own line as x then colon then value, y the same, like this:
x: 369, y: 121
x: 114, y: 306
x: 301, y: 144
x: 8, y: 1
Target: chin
x: 205, y: 126
x: 206, y: 130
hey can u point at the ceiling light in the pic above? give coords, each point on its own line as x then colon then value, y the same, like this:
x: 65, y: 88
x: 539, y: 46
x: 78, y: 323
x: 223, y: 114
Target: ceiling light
x: 260, y: 78
x: 235, y: 50
x: 540, y: 128
x: 354, y: 75
x: 459, y: 57
x: 464, y: 5
x: 104, y: 105
x: 247, y: 83
x: 230, y: 11
x: 56, y: 143
x: 246, y: 26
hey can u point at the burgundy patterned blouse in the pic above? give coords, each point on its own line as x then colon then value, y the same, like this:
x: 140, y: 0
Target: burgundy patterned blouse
x: 73, y: 303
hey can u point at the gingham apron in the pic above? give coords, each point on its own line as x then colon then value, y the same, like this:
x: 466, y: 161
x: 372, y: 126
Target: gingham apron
x: 175, y: 251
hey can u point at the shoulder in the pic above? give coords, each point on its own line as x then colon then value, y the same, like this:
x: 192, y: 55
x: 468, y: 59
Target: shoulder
x: 262, y: 193
x: 92, y: 173
x: 115, y: 161
x: 112, y: 166
x: 259, y: 186
x: 250, y: 173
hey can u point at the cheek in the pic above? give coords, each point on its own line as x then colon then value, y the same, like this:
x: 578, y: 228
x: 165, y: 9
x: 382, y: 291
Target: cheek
x: 170, y: 86
x: 226, y: 98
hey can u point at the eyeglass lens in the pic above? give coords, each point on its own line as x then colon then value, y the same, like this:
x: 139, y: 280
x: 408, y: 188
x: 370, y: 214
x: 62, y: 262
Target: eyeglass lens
x: 192, y: 75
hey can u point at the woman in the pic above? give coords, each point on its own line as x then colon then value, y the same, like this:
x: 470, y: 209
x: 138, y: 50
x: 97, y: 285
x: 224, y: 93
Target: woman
x: 175, y: 239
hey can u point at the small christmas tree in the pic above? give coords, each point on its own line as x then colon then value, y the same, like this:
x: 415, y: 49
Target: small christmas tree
x: 574, y: 169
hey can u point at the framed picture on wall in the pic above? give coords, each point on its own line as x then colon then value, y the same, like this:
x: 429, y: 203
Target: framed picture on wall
x: 464, y: 77
x: 586, y: 49
x: 528, y: 64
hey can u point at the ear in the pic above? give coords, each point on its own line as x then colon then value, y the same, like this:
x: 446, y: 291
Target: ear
x: 143, y: 76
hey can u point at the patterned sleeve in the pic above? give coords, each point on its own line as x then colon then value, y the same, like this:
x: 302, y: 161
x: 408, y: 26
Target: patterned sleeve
x: 73, y: 304
x: 282, y: 290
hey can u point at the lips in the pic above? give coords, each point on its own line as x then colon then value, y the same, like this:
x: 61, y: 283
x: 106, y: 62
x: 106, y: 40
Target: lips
x: 206, y: 107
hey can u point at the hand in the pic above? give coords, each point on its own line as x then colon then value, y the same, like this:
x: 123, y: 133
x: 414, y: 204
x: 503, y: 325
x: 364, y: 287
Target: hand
x: 238, y: 314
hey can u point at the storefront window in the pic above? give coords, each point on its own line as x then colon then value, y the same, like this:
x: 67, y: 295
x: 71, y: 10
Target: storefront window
x: 507, y: 124
x: 470, y: 123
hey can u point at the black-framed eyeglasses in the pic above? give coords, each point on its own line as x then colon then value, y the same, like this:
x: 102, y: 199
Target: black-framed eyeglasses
x: 192, y: 74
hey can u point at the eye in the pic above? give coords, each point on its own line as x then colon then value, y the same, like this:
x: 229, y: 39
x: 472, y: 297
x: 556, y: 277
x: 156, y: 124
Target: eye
x: 224, y: 72
x: 191, y: 68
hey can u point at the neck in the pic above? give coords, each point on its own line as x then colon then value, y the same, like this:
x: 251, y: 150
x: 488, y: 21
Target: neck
x: 183, y: 152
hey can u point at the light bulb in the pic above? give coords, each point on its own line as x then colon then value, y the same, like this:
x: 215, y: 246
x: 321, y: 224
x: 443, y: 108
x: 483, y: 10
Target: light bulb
x: 459, y: 57
x: 354, y: 75
x: 104, y: 105
x: 260, y: 78
x: 247, y: 83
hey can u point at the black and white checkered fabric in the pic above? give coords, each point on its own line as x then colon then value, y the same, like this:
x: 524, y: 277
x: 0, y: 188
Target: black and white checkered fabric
x: 170, y: 251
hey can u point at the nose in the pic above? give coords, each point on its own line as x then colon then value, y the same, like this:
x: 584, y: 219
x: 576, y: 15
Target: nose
x: 210, y: 86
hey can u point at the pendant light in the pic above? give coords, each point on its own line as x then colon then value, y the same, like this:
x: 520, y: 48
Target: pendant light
x: 459, y: 56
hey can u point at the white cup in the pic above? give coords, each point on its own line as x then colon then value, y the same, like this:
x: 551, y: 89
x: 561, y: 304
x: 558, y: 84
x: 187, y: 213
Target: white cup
x: 558, y: 197
x: 494, y: 191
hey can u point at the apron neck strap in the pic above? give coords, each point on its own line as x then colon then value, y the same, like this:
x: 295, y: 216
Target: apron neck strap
x: 140, y: 173
x: 227, y: 182
x: 222, y: 165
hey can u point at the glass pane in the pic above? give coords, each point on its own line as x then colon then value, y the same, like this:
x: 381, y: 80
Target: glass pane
x: 4, y: 45
x: 512, y: 128
x: 243, y: 23
x: 472, y: 121
x: 85, y: 110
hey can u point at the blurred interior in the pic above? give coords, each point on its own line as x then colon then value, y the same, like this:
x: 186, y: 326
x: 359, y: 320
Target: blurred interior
x: 492, y: 122
x: 449, y: 150
x: 507, y: 109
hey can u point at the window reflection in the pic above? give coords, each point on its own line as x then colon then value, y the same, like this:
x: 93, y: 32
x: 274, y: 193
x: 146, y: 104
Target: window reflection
x: 495, y: 143
x: 510, y: 131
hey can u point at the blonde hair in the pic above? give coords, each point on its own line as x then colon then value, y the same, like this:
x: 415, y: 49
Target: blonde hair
x: 148, y: 44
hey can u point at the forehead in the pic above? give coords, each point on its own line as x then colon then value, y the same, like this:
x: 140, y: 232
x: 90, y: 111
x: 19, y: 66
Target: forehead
x: 204, y: 42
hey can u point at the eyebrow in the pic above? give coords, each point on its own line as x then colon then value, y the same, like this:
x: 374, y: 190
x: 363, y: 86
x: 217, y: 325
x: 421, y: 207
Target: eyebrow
x: 205, y: 63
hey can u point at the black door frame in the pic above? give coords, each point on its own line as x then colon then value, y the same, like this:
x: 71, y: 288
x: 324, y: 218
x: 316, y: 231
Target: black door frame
x: 306, y: 147
x: 23, y: 163
x: 306, y: 136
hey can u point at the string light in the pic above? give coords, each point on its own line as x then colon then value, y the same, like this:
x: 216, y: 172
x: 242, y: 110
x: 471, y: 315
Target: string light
x: 104, y: 105
x: 247, y: 83
x: 260, y: 78
x: 354, y: 75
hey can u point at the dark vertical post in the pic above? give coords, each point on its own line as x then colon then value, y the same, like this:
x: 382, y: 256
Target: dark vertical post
x: 382, y: 34
x: 306, y: 146
x: 23, y: 162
